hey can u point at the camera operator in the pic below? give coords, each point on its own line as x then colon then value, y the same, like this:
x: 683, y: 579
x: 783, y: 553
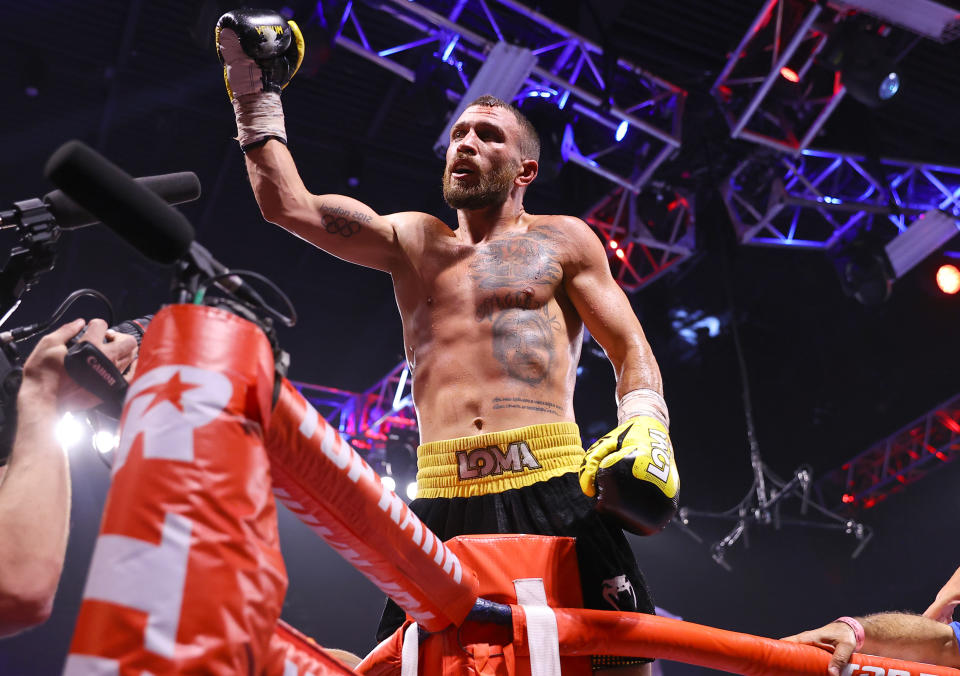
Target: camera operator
x: 35, y: 482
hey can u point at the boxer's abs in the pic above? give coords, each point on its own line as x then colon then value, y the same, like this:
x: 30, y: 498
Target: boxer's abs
x: 474, y: 379
x: 490, y: 334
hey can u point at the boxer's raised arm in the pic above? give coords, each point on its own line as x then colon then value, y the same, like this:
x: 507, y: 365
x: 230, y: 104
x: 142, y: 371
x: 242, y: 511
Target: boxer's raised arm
x: 261, y: 51
x: 340, y: 225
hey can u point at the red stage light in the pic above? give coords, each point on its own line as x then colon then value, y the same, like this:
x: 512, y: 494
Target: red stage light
x: 620, y: 254
x: 948, y: 278
x: 789, y: 74
x: 847, y: 498
x: 613, y: 244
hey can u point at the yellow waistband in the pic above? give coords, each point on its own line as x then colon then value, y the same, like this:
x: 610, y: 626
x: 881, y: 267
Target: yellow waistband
x: 498, y: 461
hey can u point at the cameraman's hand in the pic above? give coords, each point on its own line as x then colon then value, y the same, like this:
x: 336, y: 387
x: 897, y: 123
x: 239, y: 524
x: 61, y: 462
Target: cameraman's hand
x: 44, y: 376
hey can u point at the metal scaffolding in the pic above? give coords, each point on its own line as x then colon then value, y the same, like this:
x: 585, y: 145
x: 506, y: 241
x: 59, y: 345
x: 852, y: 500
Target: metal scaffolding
x: 904, y: 457
x: 819, y: 198
x: 366, y: 418
x: 602, y: 102
x: 644, y: 234
x: 774, y: 44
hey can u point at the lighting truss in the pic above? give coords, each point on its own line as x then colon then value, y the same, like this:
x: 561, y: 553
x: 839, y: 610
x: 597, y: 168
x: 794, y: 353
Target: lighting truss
x: 923, y: 446
x: 642, y: 245
x: 774, y: 42
x: 569, y: 72
x: 820, y: 198
x: 365, y: 418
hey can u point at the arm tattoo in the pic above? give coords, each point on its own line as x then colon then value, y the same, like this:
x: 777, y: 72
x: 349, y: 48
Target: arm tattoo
x: 338, y: 221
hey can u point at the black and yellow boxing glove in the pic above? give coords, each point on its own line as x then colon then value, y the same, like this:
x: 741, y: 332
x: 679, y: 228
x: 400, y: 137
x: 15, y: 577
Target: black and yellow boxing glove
x: 633, y: 475
x: 260, y: 51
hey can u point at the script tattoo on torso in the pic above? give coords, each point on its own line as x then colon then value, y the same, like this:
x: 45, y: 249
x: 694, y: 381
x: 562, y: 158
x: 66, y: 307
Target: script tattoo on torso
x: 516, y: 277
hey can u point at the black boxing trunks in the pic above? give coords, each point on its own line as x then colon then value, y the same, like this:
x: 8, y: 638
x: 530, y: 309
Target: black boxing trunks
x: 525, y: 481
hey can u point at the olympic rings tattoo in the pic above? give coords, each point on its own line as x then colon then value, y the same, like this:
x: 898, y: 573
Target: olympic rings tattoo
x: 339, y: 225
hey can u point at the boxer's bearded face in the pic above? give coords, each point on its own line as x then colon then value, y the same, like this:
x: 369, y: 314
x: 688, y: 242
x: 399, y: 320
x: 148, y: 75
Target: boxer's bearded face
x: 466, y: 186
x: 482, y: 159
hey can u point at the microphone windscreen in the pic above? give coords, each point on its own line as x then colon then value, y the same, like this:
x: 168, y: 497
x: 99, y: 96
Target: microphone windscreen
x: 177, y: 188
x: 139, y: 216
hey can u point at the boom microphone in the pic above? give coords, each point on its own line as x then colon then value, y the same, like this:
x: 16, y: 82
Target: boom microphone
x: 139, y: 216
x: 183, y: 186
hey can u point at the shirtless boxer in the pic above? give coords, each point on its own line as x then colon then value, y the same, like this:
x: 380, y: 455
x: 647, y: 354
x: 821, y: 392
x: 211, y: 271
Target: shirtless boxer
x: 493, y: 313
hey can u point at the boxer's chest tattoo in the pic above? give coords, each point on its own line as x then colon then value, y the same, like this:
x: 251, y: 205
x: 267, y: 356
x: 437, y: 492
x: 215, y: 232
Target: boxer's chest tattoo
x: 519, y: 272
x: 516, y: 278
x: 527, y: 259
x: 524, y: 343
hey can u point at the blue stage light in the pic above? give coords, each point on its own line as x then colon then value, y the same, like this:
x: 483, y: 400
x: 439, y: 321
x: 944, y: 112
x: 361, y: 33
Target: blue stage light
x: 449, y: 50
x: 889, y: 86
x: 621, y: 131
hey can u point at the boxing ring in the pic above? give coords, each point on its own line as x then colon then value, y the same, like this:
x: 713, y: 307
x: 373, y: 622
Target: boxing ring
x: 187, y: 574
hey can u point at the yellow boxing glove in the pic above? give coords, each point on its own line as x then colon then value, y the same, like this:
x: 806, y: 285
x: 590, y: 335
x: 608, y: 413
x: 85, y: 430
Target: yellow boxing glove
x: 632, y: 473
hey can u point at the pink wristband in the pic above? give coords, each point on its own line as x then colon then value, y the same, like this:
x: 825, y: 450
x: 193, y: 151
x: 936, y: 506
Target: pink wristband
x: 857, y: 630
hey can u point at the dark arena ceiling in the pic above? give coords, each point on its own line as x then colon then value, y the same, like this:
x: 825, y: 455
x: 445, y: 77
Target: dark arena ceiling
x: 139, y: 81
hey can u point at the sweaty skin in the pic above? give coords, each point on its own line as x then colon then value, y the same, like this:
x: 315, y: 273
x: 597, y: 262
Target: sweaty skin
x: 493, y: 311
x: 492, y: 335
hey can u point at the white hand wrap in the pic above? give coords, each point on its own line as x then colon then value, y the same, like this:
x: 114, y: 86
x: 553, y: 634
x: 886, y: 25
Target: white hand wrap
x: 242, y: 74
x: 642, y: 402
x: 259, y: 116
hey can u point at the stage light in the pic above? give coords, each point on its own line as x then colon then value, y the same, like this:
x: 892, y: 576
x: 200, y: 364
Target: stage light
x: 614, y: 244
x: 412, y: 490
x: 68, y: 431
x: 621, y: 131
x: 871, y: 85
x: 865, y: 272
x: 389, y: 483
x: 889, y: 86
x: 449, y: 49
x: 948, y: 279
x: 924, y: 17
x: 924, y: 236
x: 105, y: 441
x: 789, y: 74
x: 865, y: 53
x: 620, y: 254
